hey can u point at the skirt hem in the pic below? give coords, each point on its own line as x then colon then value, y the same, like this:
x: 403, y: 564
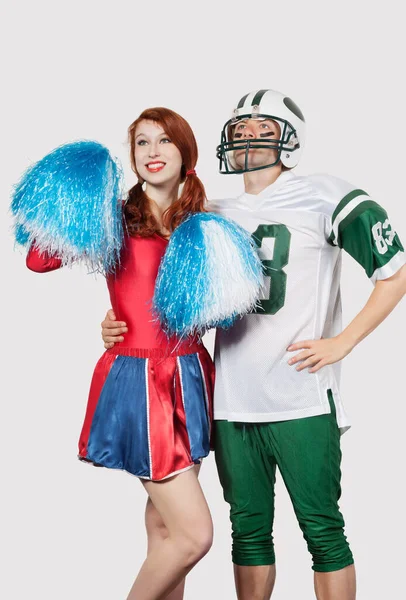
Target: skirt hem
x: 144, y: 477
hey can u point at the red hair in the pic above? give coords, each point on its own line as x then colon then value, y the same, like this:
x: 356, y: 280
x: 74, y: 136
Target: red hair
x: 137, y: 211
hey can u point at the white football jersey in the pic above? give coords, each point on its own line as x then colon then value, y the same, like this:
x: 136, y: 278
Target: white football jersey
x: 300, y: 224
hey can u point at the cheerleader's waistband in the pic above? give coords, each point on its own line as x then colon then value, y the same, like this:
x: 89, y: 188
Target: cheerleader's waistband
x: 179, y: 349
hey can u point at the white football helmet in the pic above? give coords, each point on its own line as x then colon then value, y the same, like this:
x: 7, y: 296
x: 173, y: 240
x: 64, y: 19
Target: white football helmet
x: 263, y: 104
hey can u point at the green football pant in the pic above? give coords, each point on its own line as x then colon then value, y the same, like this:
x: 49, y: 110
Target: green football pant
x: 307, y: 453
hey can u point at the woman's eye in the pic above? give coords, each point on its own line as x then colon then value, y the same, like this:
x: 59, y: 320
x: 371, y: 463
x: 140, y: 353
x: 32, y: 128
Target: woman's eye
x: 166, y: 140
x: 141, y: 142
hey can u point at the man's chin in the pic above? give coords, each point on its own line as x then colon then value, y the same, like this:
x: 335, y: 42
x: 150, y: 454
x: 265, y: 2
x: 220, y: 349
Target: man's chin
x: 254, y: 162
x: 251, y: 165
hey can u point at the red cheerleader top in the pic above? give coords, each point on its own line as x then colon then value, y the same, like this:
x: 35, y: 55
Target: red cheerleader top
x: 131, y: 291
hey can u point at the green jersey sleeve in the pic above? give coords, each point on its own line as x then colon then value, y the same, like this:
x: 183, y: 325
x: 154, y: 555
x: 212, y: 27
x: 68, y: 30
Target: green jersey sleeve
x: 362, y: 228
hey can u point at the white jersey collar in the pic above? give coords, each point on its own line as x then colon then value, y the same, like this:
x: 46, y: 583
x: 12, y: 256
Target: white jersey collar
x: 254, y: 200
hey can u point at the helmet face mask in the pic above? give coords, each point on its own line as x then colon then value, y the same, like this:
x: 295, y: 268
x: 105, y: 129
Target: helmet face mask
x: 244, y: 154
x: 229, y: 146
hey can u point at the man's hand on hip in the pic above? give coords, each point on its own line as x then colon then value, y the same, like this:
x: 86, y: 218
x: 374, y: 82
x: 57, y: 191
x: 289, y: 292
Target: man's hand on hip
x: 112, y: 330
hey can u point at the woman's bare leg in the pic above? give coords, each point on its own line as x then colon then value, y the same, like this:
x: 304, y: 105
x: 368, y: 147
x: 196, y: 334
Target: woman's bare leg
x: 157, y: 533
x: 184, y: 511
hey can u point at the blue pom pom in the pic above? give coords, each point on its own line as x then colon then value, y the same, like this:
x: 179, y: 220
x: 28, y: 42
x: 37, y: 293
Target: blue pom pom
x: 210, y: 275
x: 68, y: 204
x: 22, y: 236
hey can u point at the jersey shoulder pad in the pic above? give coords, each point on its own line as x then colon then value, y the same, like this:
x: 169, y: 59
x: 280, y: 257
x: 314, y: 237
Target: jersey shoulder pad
x: 332, y: 190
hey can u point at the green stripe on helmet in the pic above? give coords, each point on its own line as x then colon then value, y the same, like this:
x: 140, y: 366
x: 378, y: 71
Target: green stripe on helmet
x: 258, y: 97
x: 241, y: 102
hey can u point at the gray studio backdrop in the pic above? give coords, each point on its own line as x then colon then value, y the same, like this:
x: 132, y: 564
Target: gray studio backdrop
x: 85, y: 70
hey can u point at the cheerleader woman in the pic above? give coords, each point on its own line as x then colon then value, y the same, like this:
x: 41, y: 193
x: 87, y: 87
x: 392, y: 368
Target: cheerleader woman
x: 150, y: 404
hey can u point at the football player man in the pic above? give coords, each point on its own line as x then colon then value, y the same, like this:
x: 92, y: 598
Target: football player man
x: 277, y: 401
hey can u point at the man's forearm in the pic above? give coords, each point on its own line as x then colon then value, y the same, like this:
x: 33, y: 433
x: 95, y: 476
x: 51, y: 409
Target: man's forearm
x: 385, y: 296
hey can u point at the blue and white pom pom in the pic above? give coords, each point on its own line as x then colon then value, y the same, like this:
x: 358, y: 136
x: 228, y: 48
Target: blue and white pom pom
x: 68, y: 204
x: 210, y: 275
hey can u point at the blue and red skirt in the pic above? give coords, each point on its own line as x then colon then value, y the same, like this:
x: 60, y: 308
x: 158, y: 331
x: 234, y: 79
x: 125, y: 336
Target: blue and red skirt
x: 149, y: 413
